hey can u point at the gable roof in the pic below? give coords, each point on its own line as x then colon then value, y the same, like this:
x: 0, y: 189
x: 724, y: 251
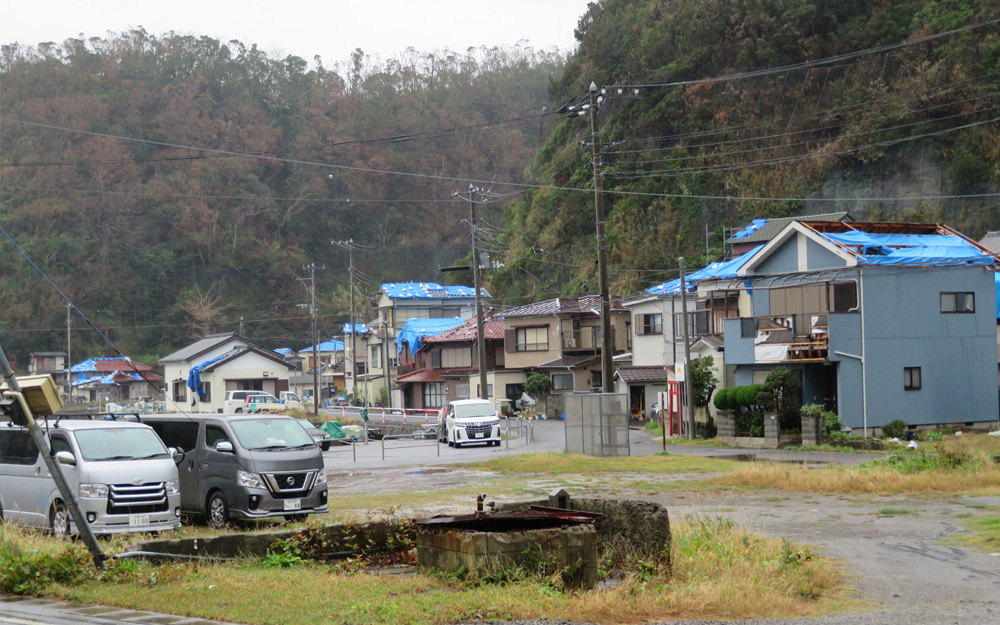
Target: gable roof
x: 333, y: 345
x: 468, y: 331
x: 200, y: 346
x: 763, y: 230
x: 588, y: 304
x: 717, y: 270
x: 569, y: 362
x: 883, y: 244
x: 239, y: 351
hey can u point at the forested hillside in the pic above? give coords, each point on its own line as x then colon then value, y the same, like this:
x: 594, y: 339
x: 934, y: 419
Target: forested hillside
x: 174, y: 185
x: 908, y: 126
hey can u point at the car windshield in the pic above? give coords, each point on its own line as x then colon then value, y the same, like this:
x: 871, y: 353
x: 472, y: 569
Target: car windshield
x: 270, y: 433
x: 120, y: 444
x: 484, y: 409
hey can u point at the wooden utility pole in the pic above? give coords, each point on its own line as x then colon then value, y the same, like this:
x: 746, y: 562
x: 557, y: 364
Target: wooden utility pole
x: 686, y: 393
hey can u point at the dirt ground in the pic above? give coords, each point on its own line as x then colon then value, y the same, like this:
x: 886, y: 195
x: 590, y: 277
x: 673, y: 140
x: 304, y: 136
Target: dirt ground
x: 893, y: 549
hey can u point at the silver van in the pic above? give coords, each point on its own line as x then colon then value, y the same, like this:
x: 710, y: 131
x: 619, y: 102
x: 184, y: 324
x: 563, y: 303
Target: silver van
x: 236, y: 401
x: 125, y: 478
x: 245, y: 466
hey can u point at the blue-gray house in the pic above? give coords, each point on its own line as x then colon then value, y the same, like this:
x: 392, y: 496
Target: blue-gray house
x: 882, y: 321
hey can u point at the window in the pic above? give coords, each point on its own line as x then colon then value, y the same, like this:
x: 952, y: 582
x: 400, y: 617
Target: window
x: 16, y: 447
x: 434, y: 394
x: 562, y: 382
x: 958, y: 302
x: 533, y: 339
x: 214, y: 434
x: 206, y: 391
x: 180, y: 391
x: 911, y: 379
x: 489, y: 390
x: 376, y: 352
x: 462, y: 391
x: 651, y: 324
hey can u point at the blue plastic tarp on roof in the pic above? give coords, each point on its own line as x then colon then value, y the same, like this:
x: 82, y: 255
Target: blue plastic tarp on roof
x: 939, y: 250
x: 754, y: 226
x: 91, y: 364
x: 284, y: 351
x: 429, y: 290
x: 333, y: 345
x: 355, y: 328
x: 414, y: 330
x: 194, y: 376
x: 108, y: 379
x: 719, y: 270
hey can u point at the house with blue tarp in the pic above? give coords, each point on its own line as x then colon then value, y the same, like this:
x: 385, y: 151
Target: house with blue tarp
x: 881, y: 321
x: 114, y: 378
x: 198, y: 376
x: 397, y: 303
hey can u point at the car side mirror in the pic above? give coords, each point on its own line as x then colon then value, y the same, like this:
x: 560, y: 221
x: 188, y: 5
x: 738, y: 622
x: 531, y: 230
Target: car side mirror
x: 224, y: 446
x: 66, y: 457
x: 177, y: 454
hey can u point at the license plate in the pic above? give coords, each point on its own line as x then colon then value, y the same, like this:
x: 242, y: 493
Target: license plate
x: 293, y: 504
x: 138, y: 519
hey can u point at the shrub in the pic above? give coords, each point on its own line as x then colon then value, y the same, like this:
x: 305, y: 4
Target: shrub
x: 747, y: 396
x: 894, y: 429
x: 703, y: 380
x: 723, y: 399
x: 33, y: 572
x: 830, y: 422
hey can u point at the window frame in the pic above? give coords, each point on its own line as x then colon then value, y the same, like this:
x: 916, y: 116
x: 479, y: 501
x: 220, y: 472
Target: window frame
x: 521, y: 339
x: 434, y: 394
x: 912, y: 378
x: 960, y: 300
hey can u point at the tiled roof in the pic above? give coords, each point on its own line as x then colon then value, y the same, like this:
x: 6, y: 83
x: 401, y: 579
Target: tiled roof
x: 588, y: 304
x: 430, y: 290
x: 657, y: 373
x: 198, y: 347
x: 568, y: 362
x: 991, y: 242
x: 492, y: 330
x: 420, y: 375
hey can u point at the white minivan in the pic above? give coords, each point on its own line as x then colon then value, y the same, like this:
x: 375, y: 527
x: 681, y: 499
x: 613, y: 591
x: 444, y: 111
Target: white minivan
x: 466, y: 421
x: 124, y: 477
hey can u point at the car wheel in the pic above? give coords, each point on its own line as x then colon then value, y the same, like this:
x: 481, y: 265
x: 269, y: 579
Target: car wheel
x: 325, y: 446
x: 218, y: 510
x: 59, y: 520
x: 239, y: 411
x: 295, y: 518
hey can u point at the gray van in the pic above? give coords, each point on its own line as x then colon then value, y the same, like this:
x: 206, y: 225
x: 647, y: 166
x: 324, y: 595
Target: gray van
x: 245, y: 466
x: 125, y: 478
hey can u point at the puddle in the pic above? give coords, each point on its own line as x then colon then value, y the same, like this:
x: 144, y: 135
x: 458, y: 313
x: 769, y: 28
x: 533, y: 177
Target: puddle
x: 427, y: 471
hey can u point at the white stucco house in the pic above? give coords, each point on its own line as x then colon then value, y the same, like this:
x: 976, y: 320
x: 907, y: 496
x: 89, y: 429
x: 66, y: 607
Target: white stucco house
x: 221, y: 363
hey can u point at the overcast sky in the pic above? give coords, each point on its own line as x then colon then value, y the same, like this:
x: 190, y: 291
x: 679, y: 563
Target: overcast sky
x: 331, y: 29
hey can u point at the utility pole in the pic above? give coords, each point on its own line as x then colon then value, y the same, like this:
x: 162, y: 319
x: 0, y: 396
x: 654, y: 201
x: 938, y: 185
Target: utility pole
x: 686, y: 397
x: 350, y: 246
x: 607, y: 375
x: 315, y: 337
x: 386, y: 326
x: 69, y: 353
x: 476, y: 283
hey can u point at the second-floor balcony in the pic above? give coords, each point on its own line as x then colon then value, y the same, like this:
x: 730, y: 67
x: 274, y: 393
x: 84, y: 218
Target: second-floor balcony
x: 791, y: 338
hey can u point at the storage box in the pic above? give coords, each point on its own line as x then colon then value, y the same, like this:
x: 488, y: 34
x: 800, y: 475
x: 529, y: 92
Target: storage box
x: 40, y: 392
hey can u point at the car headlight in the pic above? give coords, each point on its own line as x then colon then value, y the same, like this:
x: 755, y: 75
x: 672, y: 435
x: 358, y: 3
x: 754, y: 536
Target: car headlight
x: 250, y: 480
x: 173, y: 487
x: 321, y: 477
x: 94, y: 491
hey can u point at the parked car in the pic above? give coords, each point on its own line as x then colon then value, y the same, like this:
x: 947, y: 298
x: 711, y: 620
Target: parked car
x: 466, y: 421
x: 125, y: 477
x: 322, y: 439
x: 245, y: 466
x: 236, y: 401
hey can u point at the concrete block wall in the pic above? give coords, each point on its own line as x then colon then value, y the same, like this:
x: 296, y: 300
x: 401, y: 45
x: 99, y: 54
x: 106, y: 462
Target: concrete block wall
x: 812, y: 430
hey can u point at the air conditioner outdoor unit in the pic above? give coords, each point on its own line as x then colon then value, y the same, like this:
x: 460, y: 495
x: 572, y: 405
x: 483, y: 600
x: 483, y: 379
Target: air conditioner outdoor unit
x: 570, y: 343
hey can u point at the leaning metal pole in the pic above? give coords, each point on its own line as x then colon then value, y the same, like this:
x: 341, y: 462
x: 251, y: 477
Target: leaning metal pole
x: 72, y: 505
